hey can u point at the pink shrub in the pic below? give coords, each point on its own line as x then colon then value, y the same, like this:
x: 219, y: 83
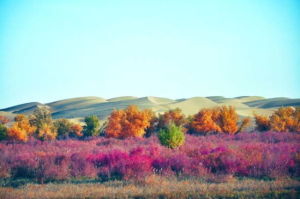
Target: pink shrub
x: 246, y: 154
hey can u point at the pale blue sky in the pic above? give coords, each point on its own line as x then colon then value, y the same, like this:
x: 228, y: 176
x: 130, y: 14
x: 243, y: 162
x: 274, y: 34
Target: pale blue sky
x: 56, y: 49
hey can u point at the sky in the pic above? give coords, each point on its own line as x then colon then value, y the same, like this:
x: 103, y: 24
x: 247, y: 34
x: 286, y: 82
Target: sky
x: 58, y: 49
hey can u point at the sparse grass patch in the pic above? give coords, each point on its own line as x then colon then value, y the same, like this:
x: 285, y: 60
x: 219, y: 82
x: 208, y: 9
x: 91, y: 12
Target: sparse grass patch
x: 159, y: 187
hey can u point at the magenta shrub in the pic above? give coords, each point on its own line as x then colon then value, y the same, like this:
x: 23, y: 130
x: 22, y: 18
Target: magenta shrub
x: 246, y: 154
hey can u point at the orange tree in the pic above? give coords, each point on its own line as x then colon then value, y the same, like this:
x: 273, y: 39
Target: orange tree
x: 21, y: 130
x: 130, y: 122
x: 217, y: 120
x: 262, y: 123
x: 285, y: 119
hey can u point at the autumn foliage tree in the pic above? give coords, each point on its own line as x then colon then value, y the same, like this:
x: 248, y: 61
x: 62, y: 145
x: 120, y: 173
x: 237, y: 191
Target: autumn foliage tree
x: 130, y: 122
x: 286, y: 119
x: 262, y: 123
x: 76, y: 130
x: 172, y: 116
x: 41, y: 118
x: 21, y: 130
x: 217, y: 120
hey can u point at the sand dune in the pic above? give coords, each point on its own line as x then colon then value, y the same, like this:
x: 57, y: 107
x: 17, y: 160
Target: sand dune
x: 116, y: 99
x: 244, y: 99
x: 274, y: 102
x: 21, y: 107
x: 193, y: 105
x: 77, y: 108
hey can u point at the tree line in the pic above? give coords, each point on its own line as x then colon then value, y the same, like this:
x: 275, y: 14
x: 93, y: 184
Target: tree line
x: 133, y: 122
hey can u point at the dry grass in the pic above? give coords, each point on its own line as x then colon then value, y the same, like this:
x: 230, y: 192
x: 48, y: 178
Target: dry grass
x: 158, y: 187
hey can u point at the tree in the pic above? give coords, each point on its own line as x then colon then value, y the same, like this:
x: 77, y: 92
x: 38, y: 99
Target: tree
x: 41, y: 115
x: 217, y: 120
x: 3, y: 132
x: 262, y: 123
x: 42, y: 119
x: 76, y: 130
x: 46, y: 132
x: 130, y: 122
x: 21, y: 130
x: 172, y: 116
x: 171, y: 136
x: 63, y: 127
x: 285, y: 119
x: 92, y: 126
x: 203, y: 122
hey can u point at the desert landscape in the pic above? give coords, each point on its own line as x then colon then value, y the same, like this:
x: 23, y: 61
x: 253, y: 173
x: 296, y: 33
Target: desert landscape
x: 153, y: 99
x: 151, y: 147
x: 78, y: 108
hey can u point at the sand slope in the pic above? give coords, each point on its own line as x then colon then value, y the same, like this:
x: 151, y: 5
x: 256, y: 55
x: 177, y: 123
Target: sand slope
x: 77, y: 108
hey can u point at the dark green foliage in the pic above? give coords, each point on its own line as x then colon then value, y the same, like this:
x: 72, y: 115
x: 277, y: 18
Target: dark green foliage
x: 63, y: 127
x: 92, y: 126
x: 3, y: 132
x: 171, y: 136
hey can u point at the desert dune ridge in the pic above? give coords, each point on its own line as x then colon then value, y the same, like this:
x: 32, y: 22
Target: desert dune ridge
x: 78, y: 108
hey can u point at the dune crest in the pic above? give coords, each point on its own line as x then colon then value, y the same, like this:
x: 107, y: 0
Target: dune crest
x: 80, y: 107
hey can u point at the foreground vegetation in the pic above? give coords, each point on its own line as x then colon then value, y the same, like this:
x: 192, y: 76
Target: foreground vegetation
x: 263, y: 156
x: 137, y: 154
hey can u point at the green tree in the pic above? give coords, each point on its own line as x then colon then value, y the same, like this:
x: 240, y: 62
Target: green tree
x: 3, y: 132
x: 171, y: 136
x: 92, y: 126
x: 41, y: 118
x: 63, y: 127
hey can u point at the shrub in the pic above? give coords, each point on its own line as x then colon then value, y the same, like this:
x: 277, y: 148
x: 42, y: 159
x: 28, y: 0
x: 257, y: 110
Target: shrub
x: 262, y: 123
x: 92, y: 126
x: 130, y: 122
x: 3, y: 119
x: 3, y: 132
x: 171, y: 136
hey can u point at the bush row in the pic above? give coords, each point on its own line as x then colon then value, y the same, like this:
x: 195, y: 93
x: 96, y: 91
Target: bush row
x: 257, y: 155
